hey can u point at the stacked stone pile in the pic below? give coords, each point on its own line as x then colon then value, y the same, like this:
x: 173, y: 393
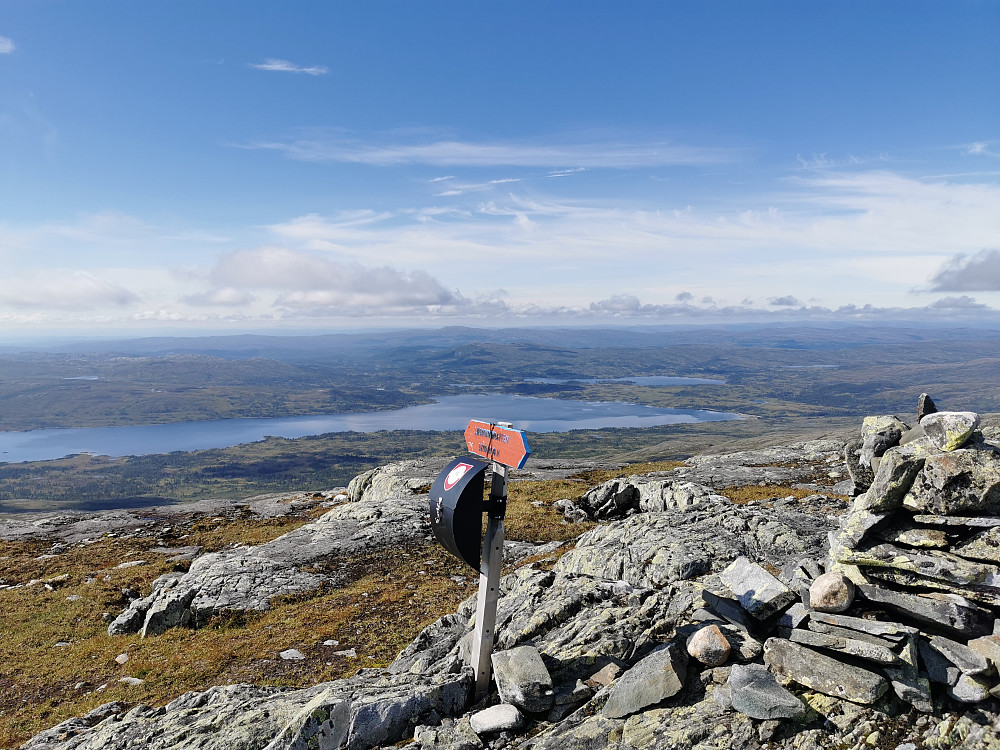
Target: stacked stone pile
x: 912, y: 593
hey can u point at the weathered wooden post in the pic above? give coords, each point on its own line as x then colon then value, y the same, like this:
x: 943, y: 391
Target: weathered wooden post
x: 457, y: 506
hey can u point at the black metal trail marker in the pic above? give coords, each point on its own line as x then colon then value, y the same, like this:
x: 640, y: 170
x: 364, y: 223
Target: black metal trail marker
x: 457, y: 507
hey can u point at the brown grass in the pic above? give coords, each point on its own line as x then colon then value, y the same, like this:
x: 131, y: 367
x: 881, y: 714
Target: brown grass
x: 387, y: 598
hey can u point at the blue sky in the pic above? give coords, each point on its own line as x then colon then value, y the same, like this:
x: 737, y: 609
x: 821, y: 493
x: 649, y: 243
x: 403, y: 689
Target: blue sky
x: 318, y: 165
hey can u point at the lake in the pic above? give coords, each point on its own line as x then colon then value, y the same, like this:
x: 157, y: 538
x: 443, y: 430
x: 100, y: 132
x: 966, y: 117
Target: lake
x: 650, y: 380
x: 446, y: 413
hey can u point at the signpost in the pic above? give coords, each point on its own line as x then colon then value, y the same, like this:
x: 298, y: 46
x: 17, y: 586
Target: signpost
x: 456, y: 507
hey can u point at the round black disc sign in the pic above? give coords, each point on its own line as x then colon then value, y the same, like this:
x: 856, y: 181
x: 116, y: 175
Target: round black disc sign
x: 456, y: 505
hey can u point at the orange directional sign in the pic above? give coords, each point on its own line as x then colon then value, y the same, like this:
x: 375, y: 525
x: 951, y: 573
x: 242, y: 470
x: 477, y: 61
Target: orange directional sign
x: 501, y: 444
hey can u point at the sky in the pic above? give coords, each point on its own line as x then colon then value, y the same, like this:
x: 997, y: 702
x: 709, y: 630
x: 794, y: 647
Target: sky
x: 290, y: 166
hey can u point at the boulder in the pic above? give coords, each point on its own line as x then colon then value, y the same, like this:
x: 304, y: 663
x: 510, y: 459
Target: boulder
x: 522, y: 678
x: 964, y: 481
x: 760, y: 593
x: 950, y: 430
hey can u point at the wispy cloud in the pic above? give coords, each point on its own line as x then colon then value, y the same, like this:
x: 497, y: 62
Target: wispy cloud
x: 284, y: 66
x: 6, y: 45
x: 63, y: 289
x: 979, y: 148
x: 565, y: 172
x: 555, y: 154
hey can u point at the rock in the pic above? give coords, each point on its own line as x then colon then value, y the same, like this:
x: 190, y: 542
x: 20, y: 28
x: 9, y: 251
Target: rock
x: 729, y: 610
x: 861, y: 473
x: 914, y: 536
x: 709, y: 646
x: 451, y: 735
x: 653, y: 679
x: 292, y: 654
x: 949, y: 430
x: 907, y: 682
x: 618, y: 498
x: 983, y: 546
x: 131, y: 681
x: 963, y: 657
x: 823, y: 673
x: 948, y: 611
x: 754, y: 692
x: 876, y: 444
x: 871, y: 426
x: 939, y: 668
x: 131, y: 619
x: 167, y: 611
x: 500, y: 718
x: 928, y: 563
x: 925, y: 406
x: 522, y: 679
x: 896, y: 473
x: 248, y: 578
x: 964, y: 481
x: 970, y: 689
x: 656, y: 549
x: 759, y: 592
x: 987, y: 646
x: 891, y: 631
x: 831, y: 592
x: 862, y: 649
x: 794, y: 616
x: 121, y: 658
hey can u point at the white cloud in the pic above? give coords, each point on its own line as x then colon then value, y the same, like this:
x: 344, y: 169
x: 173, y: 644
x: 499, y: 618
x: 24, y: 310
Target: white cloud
x: 325, y: 147
x: 6, y: 45
x: 220, y: 297
x: 284, y: 66
x: 787, y: 301
x: 957, y: 303
x: 308, y: 282
x: 62, y: 289
x: 961, y: 273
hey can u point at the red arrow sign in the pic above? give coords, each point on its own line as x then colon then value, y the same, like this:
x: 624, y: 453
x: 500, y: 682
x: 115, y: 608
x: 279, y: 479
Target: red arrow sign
x: 501, y: 444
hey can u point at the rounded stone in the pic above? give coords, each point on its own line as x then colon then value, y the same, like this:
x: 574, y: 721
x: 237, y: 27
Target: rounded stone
x: 709, y: 646
x: 831, y: 592
x: 500, y: 718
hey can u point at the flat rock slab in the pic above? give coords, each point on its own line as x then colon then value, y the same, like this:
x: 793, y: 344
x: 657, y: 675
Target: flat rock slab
x: 522, y: 678
x: 760, y: 593
x: 653, y: 679
x: 755, y: 692
x: 945, y: 611
x: 822, y: 673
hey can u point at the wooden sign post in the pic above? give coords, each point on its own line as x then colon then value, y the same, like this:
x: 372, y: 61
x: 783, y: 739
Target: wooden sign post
x: 506, y: 448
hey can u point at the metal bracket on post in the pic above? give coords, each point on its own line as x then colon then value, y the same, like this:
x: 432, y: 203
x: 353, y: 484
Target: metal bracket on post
x: 489, y: 580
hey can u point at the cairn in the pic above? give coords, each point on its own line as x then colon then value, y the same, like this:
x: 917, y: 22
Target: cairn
x: 910, y: 596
